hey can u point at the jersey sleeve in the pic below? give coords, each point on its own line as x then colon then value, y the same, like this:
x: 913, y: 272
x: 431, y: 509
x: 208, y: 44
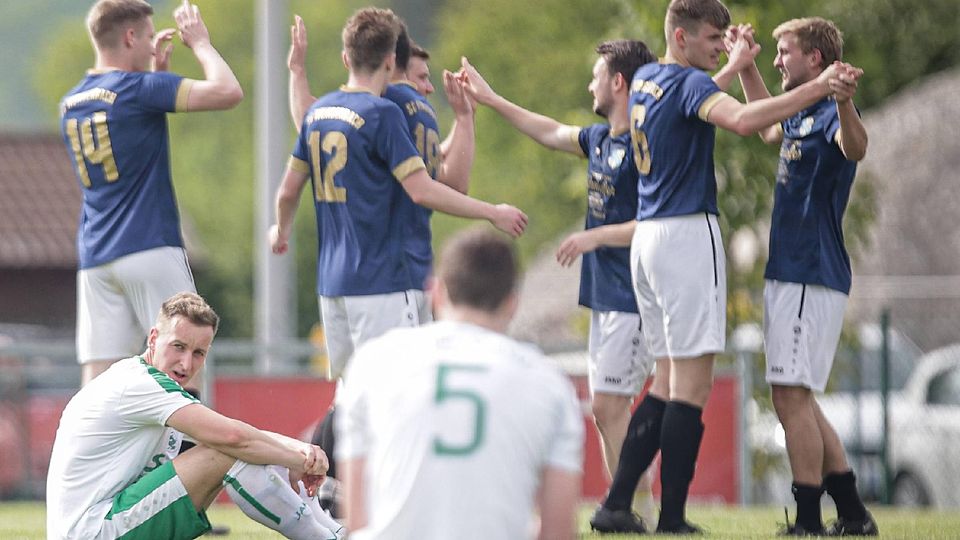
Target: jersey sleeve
x: 151, y: 399
x: 163, y: 92
x: 300, y: 157
x: 583, y: 136
x: 699, y: 94
x: 566, y: 450
x: 394, y: 144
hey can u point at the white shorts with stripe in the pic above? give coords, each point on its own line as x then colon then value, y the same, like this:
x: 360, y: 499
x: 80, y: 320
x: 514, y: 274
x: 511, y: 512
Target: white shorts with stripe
x: 801, y: 330
x: 680, y: 280
x: 118, y: 302
x: 350, y: 321
x: 619, y: 360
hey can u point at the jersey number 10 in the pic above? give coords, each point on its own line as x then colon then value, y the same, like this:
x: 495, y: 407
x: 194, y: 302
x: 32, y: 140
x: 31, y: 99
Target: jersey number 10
x: 85, y: 148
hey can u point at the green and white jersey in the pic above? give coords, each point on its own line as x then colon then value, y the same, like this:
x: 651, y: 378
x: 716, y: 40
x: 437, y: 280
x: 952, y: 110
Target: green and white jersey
x: 111, y: 433
x: 457, y: 424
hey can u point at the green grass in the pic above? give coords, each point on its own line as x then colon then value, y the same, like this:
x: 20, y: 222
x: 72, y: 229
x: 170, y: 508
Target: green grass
x: 25, y: 521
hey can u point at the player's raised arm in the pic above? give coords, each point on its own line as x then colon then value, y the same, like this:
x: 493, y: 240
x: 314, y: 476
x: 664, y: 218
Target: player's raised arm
x: 459, y: 147
x: 852, y: 136
x: 741, y: 49
x: 730, y: 114
x: 299, y: 86
x: 543, y: 129
x: 220, y: 88
x: 751, y: 81
x: 436, y: 196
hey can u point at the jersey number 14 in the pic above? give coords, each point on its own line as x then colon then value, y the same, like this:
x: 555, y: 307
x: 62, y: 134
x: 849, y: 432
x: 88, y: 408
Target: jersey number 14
x: 87, y: 148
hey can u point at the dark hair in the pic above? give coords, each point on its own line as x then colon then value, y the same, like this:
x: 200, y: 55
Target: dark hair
x: 479, y: 269
x: 190, y: 306
x: 624, y: 56
x: 418, y: 51
x: 403, y: 47
x: 107, y: 19
x: 690, y: 13
x: 369, y: 36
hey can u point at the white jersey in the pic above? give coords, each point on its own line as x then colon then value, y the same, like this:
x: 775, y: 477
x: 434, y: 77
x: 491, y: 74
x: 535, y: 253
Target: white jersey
x: 111, y: 433
x: 457, y: 424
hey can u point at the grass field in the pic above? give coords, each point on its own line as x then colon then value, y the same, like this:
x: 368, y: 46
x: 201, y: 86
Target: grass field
x: 25, y: 521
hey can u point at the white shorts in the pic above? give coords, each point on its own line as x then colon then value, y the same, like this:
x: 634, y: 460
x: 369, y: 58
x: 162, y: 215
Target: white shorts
x: 350, y: 321
x: 801, y: 330
x: 118, y: 302
x: 619, y: 361
x: 680, y: 280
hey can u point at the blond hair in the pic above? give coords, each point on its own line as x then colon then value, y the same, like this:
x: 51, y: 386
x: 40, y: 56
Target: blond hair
x: 814, y: 33
x: 369, y: 36
x: 190, y: 306
x: 107, y: 20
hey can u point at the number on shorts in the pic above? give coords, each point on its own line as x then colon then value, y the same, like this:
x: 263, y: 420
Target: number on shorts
x: 641, y: 146
x: 86, y: 148
x: 334, y: 144
x: 428, y: 145
x: 446, y: 395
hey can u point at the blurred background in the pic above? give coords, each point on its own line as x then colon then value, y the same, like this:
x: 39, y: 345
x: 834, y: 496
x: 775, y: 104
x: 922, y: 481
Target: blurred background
x: 900, y: 227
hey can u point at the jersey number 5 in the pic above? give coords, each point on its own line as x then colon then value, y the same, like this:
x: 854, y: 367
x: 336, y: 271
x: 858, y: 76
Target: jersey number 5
x: 641, y: 146
x: 97, y: 151
x: 449, y: 396
x: 334, y: 144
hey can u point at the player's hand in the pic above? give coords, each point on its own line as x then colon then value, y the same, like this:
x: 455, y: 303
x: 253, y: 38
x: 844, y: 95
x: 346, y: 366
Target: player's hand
x: 162, y: 49
x: 840, y: 73
x: 193, y: 31
x: 474, y: 84
x: 575, y: 245
x: 314, y: 460
x: 742, y: 49
x: 297, y: 58
x: 844, y: 87
x: 457, y: 97
x: 279, y: 241
x: 509, y: 219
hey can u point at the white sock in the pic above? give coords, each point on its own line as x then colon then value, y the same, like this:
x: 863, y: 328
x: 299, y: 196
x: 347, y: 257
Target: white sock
x: 264, y: 494
x: 322, y: 516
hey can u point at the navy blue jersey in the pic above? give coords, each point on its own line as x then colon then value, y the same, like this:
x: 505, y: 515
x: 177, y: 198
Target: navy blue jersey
x: 356, y: 148
x: 813, y: 186
x: 422, y: 124
x: 672, y: 141
x: 114, y: 125
x: 611, y: 198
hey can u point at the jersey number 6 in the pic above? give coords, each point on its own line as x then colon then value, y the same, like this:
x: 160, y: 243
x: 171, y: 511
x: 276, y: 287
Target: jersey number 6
x: 641, y: 147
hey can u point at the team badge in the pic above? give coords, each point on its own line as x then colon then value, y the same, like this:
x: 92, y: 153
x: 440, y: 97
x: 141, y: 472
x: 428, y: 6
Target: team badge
x: 616, y: 157
x: 806, y: 126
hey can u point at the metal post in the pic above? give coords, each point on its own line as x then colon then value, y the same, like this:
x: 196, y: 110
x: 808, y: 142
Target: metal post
x: 745, y: 368
x: 885, y: 400
x: 275, y: 306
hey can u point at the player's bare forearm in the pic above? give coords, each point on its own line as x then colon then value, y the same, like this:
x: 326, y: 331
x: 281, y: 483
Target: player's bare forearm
x: 543, y: 129
x: 300, y: 97
x: 439, y: 197
x: 557, y: 499
x: 754, y: 89
x: 219, y: 89
x: 288, y: 199
x: 458, y: 156
x: 852, y: 135
x: 613, y: 235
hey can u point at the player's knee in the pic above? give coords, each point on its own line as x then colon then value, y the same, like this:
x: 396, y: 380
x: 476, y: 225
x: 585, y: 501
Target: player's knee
x: 609, y: 409
x: 789, y: 401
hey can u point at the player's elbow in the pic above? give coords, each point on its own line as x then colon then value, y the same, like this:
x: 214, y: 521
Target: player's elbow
x: 232, y: 96
x: 231, y: 436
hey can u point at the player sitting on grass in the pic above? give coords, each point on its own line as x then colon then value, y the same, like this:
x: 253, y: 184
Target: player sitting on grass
x: 113, y: 472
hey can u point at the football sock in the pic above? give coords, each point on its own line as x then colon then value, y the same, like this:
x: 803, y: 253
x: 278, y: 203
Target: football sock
x: 264, y: 494
x: 639, y: 448
x: 808, y: 506
x: 324, y: 438
x: 680, y: 439
x: 842, y: 488
x: 319, y: 514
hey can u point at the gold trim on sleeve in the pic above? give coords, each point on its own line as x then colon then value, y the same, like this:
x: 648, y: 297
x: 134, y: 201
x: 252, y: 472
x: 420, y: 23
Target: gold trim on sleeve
x: 298, y: 165
x: 709, y: 103
x: 408, y: 167
x: 183, y: 92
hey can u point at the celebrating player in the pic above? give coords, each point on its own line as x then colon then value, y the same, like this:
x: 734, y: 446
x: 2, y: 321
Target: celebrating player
x: 114, y: 474
x: 453, y: 430
x: 115, y: 129
x: 619, y: 361
x: 808, y: 274
x: 677, y: 256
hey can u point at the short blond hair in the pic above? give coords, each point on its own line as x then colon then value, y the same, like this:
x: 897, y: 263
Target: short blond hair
x: 814, y: 33
x: 107, y: 19
x: 369, y: 36
x: 190, y: 306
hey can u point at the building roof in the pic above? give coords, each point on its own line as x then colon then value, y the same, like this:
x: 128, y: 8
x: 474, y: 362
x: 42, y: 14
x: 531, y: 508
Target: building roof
x: 39, y: 203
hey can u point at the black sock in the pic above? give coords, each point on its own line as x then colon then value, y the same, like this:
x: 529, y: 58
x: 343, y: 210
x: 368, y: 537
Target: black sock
x: 842, y: 488
x: 185, y: 444
x: 323, y: 437
x: 680, y: 439
x: 808, y: 506
x: 639, y: 448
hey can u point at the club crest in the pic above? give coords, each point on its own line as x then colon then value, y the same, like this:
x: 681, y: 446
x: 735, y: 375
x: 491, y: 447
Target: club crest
x: 616, y: 157
x: 806, y: 126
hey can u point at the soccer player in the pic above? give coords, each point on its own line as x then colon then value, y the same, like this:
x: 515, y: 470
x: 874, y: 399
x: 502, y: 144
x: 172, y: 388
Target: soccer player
x: 677, y: 257
x: 115, y: 472
x: 808, y: 273
x: 115, y: 129
x: 619, y: 361
x: 453, y: 430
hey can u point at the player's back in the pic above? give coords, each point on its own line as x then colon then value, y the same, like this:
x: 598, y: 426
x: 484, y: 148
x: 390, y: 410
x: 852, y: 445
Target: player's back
x: 459, y: 423
x: 424, y: 131
x: 115, y: 129
x: 356, y: 148
x: 673, y: 143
